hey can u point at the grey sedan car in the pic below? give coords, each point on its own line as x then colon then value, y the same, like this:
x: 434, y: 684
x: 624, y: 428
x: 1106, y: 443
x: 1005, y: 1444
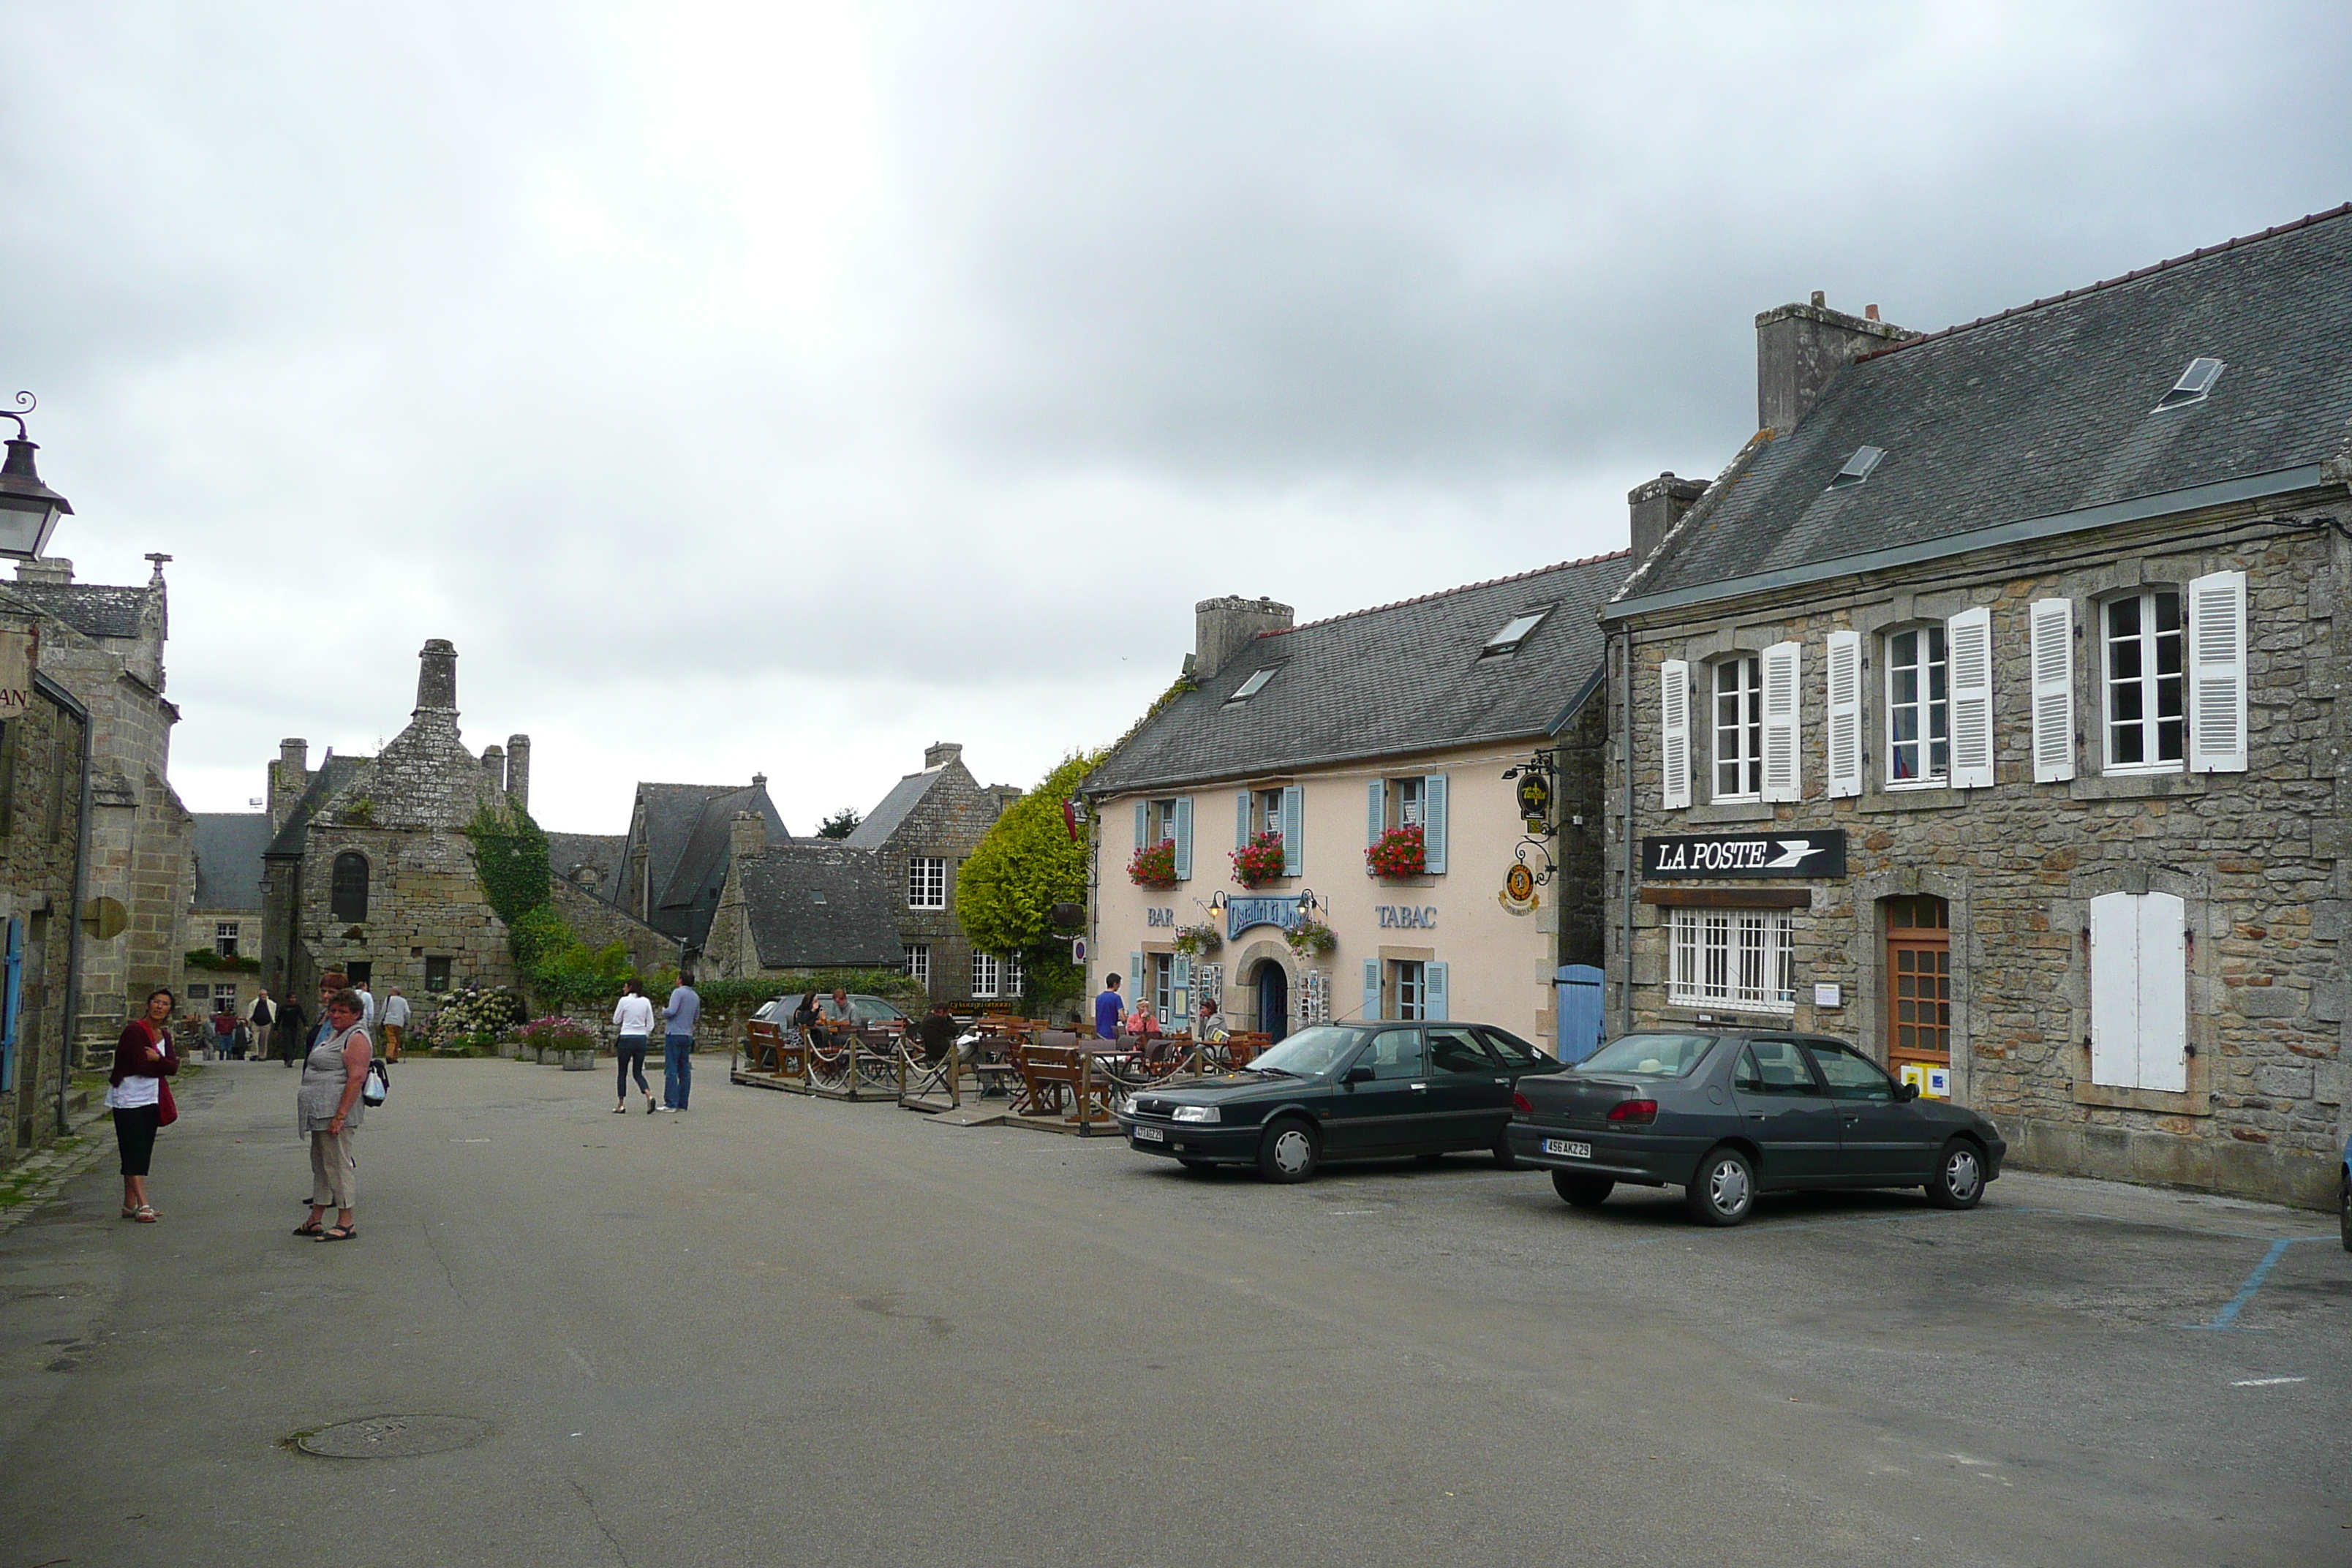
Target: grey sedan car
x: 1726, y: 1114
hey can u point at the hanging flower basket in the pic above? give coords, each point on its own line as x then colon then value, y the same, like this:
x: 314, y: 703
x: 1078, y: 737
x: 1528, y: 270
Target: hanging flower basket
x: 1198, y: 941
x: 1400, y: 852
x: 1312, y: 939
x: 1260, y: 861
x: 1153, y: 866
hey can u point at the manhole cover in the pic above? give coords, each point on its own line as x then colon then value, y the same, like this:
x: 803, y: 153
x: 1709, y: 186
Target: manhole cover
x: 393, y: 1437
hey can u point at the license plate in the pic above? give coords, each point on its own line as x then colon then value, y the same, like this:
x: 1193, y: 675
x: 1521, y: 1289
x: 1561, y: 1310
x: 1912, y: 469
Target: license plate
x: 1569, y: 1150
x: 1149, y: 1135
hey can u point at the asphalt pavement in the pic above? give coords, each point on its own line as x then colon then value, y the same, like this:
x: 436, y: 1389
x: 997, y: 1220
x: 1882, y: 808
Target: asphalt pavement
x: 777, y: 1330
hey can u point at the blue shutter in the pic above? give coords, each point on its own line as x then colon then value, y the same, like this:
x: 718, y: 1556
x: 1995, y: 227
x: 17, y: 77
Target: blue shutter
x: 1180, y: 987
x: 1376, y: 815
x: 12, y: 999
x: 1432, y: 993
x: 1293, y: 829
x: 1240, y: 819
x: 1432, y: 825
x: 1185, y: 838
x: 1371, y: 989
x: 1134, y: 981
x: 1142, y: 824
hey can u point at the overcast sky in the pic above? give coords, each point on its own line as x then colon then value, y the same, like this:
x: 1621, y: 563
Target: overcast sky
x: 771, y: 388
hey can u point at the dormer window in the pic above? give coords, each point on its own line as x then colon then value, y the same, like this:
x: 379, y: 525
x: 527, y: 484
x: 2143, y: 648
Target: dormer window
x: 1253, y: 686
x: 2194, y: 384
x: 1516, y: 631
x: 1857, y: 467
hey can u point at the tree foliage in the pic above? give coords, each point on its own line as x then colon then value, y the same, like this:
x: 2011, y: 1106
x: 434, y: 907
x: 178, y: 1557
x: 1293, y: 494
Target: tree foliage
x: 841, y: 824
x: 1025, y: 864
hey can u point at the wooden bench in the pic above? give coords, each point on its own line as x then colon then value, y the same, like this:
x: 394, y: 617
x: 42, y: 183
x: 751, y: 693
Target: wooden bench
x: 1060, y: 1082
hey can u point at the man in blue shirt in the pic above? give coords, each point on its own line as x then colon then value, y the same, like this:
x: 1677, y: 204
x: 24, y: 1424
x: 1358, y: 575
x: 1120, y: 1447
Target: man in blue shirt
x: 1108, y: 1008
x: 684, y: 1012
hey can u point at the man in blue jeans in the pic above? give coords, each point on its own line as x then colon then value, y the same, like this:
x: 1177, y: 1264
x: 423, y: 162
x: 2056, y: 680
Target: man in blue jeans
x: 684, y: 1012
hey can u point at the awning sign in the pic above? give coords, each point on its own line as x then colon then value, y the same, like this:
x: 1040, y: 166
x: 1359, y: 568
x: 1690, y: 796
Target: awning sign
x: 1802, y: 855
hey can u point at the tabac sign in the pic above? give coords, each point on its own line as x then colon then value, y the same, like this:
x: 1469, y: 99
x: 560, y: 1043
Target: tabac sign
x: 1683, y: 856
x: 16, y: 673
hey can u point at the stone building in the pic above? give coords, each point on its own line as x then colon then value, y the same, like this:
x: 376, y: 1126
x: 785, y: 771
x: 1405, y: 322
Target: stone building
x: 921, y: 834
x: 44, y: 737
x: 369, y: 869
x: 1408, y: 722
x: 223, y: 914
x: 804, y: 904
x: 105, y: 646
x: 673, y: 861
x: 1985, y: 711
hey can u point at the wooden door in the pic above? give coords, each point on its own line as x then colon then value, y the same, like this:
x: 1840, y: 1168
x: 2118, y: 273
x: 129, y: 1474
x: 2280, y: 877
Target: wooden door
x: 1918, y: 983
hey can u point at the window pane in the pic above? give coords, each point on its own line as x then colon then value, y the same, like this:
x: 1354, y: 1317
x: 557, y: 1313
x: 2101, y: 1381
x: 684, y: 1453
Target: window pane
x: 1851, y: 1077
x: 1393, y: 1053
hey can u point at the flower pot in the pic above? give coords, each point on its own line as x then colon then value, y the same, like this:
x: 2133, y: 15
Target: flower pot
x: 577, y: 1061
x: 509, y: 1049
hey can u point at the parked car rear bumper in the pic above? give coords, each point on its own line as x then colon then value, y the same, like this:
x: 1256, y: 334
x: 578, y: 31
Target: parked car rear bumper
x: 1647, y: 1158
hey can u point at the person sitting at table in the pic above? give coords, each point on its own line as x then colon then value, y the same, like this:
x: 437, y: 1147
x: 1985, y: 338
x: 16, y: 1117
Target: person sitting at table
x: 1212, y: 1024
x: 937, y: 1031
x: 1143, y: 1029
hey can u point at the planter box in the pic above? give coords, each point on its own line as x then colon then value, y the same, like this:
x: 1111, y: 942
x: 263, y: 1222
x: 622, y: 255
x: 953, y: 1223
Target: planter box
x: 577, y: 1061
x: 509, y: 1049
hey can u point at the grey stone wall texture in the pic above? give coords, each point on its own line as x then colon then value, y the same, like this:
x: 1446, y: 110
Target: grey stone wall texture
x: 2258, y: 856
x: 950, y: 820
x: 40, y: 812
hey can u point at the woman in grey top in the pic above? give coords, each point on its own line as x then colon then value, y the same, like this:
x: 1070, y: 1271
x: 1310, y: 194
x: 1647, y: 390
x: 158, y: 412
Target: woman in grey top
x: 329, y: 1107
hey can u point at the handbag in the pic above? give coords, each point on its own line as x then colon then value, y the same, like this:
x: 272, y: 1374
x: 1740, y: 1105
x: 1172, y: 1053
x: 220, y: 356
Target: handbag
x: 378, y: 1087
x: 167, y: 1109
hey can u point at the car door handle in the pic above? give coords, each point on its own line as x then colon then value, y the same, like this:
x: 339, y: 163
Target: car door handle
x: 1420, y: 1086
x: 1755, y: 1116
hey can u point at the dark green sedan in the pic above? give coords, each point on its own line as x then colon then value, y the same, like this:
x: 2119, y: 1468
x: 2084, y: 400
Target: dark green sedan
x: 1344, y: 1091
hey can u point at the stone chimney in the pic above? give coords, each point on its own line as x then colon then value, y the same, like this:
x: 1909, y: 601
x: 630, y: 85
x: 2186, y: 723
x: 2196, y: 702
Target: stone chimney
x: 494, y: 766
x: 48, y: 568
x: 940, y: 754
x: 1657, y: 507
x: 436, y: 678
x: 519, y: 772
x: 748, y: 835
x: 1800, y: 347
x: 289, y: 775
x: 1222, y: 627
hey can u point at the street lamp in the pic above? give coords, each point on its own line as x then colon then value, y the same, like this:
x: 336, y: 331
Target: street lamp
x: 29, y: 509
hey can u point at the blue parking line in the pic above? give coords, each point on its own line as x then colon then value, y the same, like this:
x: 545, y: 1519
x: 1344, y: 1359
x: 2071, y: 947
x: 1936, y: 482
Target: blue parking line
x: 2226, y: 1320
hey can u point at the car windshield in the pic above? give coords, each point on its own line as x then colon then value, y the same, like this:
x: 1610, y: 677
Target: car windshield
x: 1650, y: 1056
x: 1310, y: 1051
x: 872, y: 1010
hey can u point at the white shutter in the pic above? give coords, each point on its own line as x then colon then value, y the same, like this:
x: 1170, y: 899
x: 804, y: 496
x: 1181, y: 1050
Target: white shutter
x: 1432, y: 823
x: 1967, y: 642
x: 2216, y: 673
x: 2115, y: 990
x: 1185, y: 838
x: 1371, y: 989
x: 1240, y: 819
x: 2163, y: 993
x: 2052, y: 625
x: 1432, y: 993
x: 1376, y: 813
x: 1293, y: 829
x: 1783, y: 768
x: 1674, y: 734
x: 1845, y: 714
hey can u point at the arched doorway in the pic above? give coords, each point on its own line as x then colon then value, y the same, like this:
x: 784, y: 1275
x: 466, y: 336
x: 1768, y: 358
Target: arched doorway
x: 1273, y: 984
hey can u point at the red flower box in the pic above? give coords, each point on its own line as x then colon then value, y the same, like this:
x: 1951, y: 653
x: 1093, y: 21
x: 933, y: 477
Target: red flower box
x: 1399, y: 853
x: 1260, y: 861
x: 1153, y: 866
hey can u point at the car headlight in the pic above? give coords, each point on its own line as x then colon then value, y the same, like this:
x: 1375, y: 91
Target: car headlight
x: 1196, y: 1113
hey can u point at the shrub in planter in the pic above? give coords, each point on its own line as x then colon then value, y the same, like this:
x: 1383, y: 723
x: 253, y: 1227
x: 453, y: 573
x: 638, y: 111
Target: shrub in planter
x: 1153, y: 865
x: 1259, y: 861
x: 1198, y: 941
x: 1313, y: 939
x: 1400, y: 852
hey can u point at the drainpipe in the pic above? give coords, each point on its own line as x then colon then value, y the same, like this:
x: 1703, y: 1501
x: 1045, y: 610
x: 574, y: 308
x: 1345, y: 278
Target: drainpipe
x: 72, y: 1010
x: 1626, y: 923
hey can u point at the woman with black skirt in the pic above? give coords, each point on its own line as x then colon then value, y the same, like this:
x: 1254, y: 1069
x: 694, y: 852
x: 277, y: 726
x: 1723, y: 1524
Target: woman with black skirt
x: 144, y: 1058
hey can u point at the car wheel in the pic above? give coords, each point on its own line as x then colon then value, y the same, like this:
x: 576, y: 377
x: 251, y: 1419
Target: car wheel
x: 1289, y: 1151
x: 1723, y: 1189
x: 1960, y: 1176
x: 1505, y: 1159
x: 1582, y: 1192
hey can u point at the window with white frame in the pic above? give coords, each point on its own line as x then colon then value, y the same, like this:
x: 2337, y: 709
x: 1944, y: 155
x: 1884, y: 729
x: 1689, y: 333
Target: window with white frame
x: 225, y: 936
x: 1161, y: 983
x: 1014, y: 981
x: 2145, y: 701
x: 1734, y: 958
x: 1408, y: 806
x: 927, y: 882
x: 1266, y: 810
x: 1739, y: 729
x: 987, y: 975
x: 918, y: 963
x: 1408, y: 989
x: 1918, y: 707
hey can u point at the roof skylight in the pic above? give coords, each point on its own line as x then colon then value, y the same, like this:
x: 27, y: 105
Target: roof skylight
x: 1857, y: 467
x: 1514, y: 631
x: 2194, y: 384
x: 1253, y: 686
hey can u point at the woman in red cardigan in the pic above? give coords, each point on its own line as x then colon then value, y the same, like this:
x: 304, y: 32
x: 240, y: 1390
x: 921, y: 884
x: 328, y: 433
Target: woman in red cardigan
x: 144, y: 1058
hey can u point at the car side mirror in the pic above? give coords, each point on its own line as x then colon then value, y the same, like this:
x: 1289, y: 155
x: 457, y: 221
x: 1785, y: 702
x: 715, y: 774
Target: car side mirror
x: 1358, y: 1075
x: 1905, y: 1092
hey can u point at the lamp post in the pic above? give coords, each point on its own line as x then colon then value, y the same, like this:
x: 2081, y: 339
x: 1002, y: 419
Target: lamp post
x: 29, y: 509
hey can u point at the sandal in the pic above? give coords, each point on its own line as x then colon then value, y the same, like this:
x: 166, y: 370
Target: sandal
x: 308, y: 1227
x: 144, y: 1215
x: 621, y: 1110
x: 339, y: 1233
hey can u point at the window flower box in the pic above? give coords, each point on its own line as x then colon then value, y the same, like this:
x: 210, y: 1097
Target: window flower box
x: 1153, y: 866
x: 1260, y: 861
x: 1198, y: 941
x: 1400, y: 852
x: 1312, y: 939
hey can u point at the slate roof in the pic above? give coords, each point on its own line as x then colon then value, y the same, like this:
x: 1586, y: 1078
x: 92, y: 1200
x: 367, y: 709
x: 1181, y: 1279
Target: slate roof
x: 875, y: 830
x: 1389, y: 681
x: 2047, y: 409
x: 228, y: 847
x: 815, y: 903
x: 334, y: 772
x: 90, y: 608
x: 601, y: 850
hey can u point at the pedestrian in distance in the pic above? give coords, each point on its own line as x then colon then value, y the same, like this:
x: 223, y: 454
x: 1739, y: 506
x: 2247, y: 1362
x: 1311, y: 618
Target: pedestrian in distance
x: 290, y: 1031
x: 1108, y: 1008
x: 137, y: 1094
x: 367, y: 1003
x: 259, y: 1017
x: 224, y: 1029
x: 329, y: 1110
x: 396, y: 1024
x: 680, y: 1020
x: 632, y: 1024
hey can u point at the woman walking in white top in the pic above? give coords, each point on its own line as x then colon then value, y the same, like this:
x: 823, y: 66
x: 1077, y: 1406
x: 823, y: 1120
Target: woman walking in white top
x: 634, y: 1020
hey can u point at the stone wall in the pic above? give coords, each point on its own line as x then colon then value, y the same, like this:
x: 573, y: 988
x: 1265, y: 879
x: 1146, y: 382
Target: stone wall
x: 1577, y: 892
x: 39, y: 821
x: 423, y: 901
x: 600, y: 924
x: 948, y: 822
x: 2257, y: 856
